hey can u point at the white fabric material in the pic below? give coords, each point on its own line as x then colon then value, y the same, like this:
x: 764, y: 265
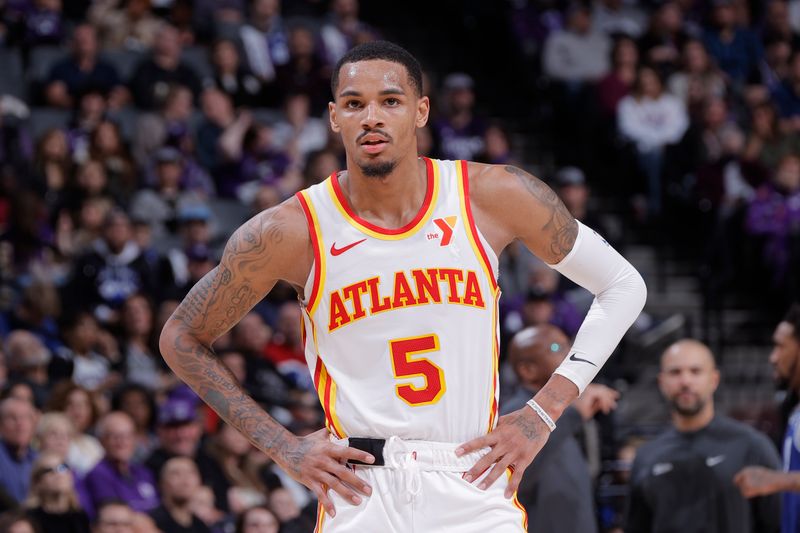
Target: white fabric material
x: 422, y: 489
x: 620, y: 294
x: 652, y: 123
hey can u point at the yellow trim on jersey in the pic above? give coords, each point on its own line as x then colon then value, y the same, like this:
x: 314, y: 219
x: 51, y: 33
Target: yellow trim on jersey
x: 493, y: 407
x: 487, y: 268
x: 320, y: 281
x: 362, y: 228
x: 515, y: 502
x: 320, y: 518
x: 335, y: 426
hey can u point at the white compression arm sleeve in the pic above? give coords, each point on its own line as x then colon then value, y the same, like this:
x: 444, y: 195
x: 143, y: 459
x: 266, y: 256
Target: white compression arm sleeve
x: 620, y: 294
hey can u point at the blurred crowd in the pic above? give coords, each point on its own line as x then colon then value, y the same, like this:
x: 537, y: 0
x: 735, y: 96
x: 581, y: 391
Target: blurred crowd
x: 135, y: 135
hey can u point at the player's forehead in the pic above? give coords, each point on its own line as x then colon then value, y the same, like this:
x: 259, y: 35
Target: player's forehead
x: 373, y: 76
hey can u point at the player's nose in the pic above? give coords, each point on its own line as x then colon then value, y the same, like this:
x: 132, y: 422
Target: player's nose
x: 371, y: 117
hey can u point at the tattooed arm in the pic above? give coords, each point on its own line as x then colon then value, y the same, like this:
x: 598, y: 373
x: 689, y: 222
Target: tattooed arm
x: 271, y: 246
x: 508, y: 204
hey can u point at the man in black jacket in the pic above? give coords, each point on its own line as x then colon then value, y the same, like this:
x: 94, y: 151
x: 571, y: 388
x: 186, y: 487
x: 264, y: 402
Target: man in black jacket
x: 683, y: 479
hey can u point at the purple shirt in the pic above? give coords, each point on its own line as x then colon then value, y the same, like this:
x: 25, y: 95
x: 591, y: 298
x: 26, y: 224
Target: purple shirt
x: 105, y: 482
x: 775, y: 215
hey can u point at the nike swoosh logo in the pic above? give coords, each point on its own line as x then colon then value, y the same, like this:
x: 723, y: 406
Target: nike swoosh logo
x: 714, y: 461
x: 339, y: 251
x: 661, y: 468
x: 574, y: 358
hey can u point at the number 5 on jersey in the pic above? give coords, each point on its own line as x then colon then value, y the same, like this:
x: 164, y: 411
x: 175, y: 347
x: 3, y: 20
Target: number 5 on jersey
x: 406, y: 366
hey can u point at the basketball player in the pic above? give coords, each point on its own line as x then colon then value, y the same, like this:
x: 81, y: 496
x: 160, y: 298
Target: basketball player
x: 395, y: 264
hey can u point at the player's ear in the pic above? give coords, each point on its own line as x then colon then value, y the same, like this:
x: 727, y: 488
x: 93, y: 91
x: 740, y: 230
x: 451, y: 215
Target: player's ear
x: 423, y: 110
x: 332, y: 117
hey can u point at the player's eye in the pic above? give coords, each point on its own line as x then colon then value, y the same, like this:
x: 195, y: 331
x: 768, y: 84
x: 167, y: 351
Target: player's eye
x: 352, y: 104
x: 392, y: 101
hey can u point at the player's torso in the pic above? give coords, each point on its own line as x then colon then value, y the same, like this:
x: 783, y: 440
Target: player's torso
x: 401, y: 330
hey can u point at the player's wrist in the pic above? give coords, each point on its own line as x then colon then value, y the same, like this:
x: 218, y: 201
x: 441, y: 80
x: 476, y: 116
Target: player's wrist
x: 557, y: 394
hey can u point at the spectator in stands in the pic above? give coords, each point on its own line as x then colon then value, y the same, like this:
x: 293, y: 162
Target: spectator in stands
x: 239, y: 83
x: 81, y: 407
x: 194, y: 229
x: 17, y: 423
x: 736, y: 50
x: 110, y: 150
x: 265, y: 39
x: 219, y: 137
x: 774, y: 66
x: 138, y: 402
x: 319, y: 166
x: 577, y: 54
x: 114, y: 269
x: 774, y: 217
x: 179, y: 431
x: 80, y: 360
x: 18, y: 521
x: 37, y: 312
x: 343, y: 30
x: 169, y: 126
x: 616, y: 17
x: 305, y: 72
x: 787, y: 97
x: 27, y: 359
x: 263, y: 163
x: 153, y: 77
x: 698, y: 78
x: 116, y: 476
x: 683, y: 479
x: 52, y: 165
x: 54, y: 434
x: 300, y: 133
x: 759, y: 481
x: 767, y: 143
x: 114, y: 516
x: 82, y: 71
x: 129, y: 24
x: 53, y: 502
x: 30, y: 237
x: 43, y: 23
x: 258, y: 519
x: 179, y: 480
x: 555, y: 499
x: 284, y: 504
x: 203, y: 507
x: 90, y: 111
x: 777, y: 23
x: 651, y: 119
x: 234, y: 453
x: 140, y: 361
x: 251, y: 337
x: 618, y: 83
x: 661, y: 45
x: 459, y: 132
x: 286, y: 349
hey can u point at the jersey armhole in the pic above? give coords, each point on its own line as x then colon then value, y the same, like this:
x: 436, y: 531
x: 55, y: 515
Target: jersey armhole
x: 475, y: 237
x: 318, y: 270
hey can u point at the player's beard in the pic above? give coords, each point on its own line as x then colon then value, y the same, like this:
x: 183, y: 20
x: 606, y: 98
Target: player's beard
x: 379, y: 169
x: 689, y: 410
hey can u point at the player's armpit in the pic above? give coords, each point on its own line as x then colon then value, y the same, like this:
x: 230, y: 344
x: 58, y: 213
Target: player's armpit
x: 523, y: 207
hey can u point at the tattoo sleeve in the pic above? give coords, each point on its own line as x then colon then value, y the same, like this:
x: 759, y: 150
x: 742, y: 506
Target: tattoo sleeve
x: 561, y: 228
x: 211, y: 308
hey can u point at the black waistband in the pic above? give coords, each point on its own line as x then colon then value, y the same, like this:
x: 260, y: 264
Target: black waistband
x: 373, y: 447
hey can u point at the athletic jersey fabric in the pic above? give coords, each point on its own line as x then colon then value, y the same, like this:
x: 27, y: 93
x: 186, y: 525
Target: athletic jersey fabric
x: 400, y: 325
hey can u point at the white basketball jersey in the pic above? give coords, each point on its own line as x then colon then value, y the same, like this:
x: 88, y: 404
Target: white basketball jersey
x: 400, y: 325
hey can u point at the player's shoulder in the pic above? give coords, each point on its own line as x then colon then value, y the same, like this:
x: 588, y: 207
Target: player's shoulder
x: 487, y: 182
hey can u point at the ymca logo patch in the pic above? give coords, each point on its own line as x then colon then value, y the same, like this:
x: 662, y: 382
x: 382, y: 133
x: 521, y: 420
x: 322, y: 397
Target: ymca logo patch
x: 446, y: 225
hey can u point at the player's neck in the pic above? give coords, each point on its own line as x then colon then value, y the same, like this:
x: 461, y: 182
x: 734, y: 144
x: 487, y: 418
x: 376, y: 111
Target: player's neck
x: 687, y: 424
x: 391, y: 201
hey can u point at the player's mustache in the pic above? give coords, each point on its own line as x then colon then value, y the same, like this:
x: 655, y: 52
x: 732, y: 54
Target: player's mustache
x: 370, y: 132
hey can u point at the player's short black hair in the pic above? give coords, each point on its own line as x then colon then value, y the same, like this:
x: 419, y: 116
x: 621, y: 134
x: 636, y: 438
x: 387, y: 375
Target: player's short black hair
x: 793, y: 317
x: 380, y: 50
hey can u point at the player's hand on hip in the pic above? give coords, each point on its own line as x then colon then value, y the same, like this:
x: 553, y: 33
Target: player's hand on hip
x: 514, y: 443
x: 319, y: 464
x: 756, y: 481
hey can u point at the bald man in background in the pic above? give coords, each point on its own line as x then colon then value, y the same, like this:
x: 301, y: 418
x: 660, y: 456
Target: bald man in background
x: 682, y: 481
x: 556, y: 490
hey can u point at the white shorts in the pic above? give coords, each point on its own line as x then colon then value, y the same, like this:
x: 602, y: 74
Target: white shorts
x: 421, y: 489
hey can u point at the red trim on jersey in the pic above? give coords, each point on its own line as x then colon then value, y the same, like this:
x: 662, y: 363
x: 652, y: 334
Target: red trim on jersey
x: 471, y: 223
x: 327, y: 403
x: 312, y: 231
x: 386, y: 231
